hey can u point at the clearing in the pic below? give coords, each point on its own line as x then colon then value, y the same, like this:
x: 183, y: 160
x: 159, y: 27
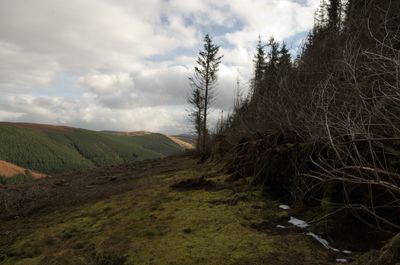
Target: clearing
x: 165, y: 211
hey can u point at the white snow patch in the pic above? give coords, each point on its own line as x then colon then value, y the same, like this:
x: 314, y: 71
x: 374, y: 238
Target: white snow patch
x: 284, y: 207
x: 319, y: 239
x: 302, y: 224
x: 322, y: 241
x: 298, y: 222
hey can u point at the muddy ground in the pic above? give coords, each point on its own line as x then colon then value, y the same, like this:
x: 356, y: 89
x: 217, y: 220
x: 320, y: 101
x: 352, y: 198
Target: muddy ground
x: 76, y: 188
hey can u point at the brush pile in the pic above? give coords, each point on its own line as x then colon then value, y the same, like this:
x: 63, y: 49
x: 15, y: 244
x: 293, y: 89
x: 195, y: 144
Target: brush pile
x: 326, y: 128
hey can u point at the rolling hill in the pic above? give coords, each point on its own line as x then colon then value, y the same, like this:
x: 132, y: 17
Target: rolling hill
x: 59, y: 149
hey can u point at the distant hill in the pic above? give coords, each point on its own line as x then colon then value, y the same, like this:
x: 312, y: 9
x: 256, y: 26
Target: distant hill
x: 136, y: 133
x: 58, y: 149
x: 186, y: 141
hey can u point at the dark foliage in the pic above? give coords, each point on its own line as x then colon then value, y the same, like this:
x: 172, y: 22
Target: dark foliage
x: 324, y: 128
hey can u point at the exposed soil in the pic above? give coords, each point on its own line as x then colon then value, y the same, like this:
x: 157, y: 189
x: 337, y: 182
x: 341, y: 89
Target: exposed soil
x: 8, y: 170
x: 183, y: 142
x: 48, y: 194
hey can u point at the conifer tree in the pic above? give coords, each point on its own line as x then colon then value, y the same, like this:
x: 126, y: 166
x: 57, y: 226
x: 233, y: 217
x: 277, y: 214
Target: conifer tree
x: 259, y: 66
x: 237, y: 100
x: 320, y: 16
x: 204, y: 79
x: 284, y: 57
x: 273, y: 55
x: 334, y: 14
x: 196, y: 113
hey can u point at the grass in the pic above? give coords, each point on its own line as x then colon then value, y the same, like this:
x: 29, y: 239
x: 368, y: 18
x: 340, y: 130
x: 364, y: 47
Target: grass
x: 59, y: 151
x: 155, y: 224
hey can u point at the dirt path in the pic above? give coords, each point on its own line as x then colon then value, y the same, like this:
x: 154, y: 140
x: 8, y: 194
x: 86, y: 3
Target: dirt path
x: 168, y: 211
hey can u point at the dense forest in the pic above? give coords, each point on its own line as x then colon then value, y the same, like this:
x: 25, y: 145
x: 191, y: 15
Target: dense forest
x: 323, y: 128
x: 55, y: 149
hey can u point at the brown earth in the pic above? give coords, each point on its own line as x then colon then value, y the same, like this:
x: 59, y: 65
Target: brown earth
x: 8, y: 170
x: 184, y: 143
x: 186, y: 138
x: 76, y: 188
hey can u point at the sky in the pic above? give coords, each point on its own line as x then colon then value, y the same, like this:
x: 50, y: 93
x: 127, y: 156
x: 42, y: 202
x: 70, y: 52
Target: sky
x: 124, y: 64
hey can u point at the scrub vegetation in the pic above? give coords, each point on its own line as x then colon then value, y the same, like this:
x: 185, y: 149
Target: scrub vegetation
x: 322, y: 129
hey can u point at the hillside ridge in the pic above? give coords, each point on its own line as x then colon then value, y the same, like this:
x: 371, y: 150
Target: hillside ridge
x: 55, y: 149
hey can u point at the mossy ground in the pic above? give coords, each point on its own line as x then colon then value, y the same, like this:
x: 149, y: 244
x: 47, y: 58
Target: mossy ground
x: 154, y: 224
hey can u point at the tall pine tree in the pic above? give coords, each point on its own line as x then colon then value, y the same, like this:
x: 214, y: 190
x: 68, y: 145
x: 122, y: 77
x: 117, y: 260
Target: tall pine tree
x: 204, y: 79
x: 259, y: 67
x: 334, y: 14
x: 285, y: 60
x: 273, y: 56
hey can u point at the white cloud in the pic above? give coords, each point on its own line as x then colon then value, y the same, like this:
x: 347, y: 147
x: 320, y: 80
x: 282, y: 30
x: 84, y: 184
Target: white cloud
x: 20, y: 70
x: 106, y: 64
x: 107, y: 83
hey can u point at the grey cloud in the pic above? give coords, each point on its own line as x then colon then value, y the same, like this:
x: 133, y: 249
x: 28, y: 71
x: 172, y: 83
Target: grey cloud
x: 106, y: 47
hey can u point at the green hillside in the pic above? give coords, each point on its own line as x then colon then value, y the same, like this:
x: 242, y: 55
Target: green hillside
x: 53, y: 149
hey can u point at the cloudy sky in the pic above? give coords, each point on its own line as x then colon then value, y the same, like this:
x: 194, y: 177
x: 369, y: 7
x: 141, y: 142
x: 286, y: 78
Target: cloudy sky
x: 124, y: 64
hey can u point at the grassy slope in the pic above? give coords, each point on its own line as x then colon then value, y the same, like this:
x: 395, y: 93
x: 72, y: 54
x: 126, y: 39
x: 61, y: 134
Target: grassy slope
x: 56, y: 151
x: 154, y: 224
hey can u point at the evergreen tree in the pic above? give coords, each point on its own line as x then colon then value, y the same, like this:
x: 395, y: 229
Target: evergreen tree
x: 309, y: 41
x: 273, y: 55
x: 237, y: 101
x: 284, y: 57
x: 259, y: 66
x: 204, y: 79
x: 334, y: 14
x: 196, y: 112
x: 220, y: 124
x: 320, y: 16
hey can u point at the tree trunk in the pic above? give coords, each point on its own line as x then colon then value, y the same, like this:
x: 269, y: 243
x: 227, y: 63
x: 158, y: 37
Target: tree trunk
x: 205, y: 109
